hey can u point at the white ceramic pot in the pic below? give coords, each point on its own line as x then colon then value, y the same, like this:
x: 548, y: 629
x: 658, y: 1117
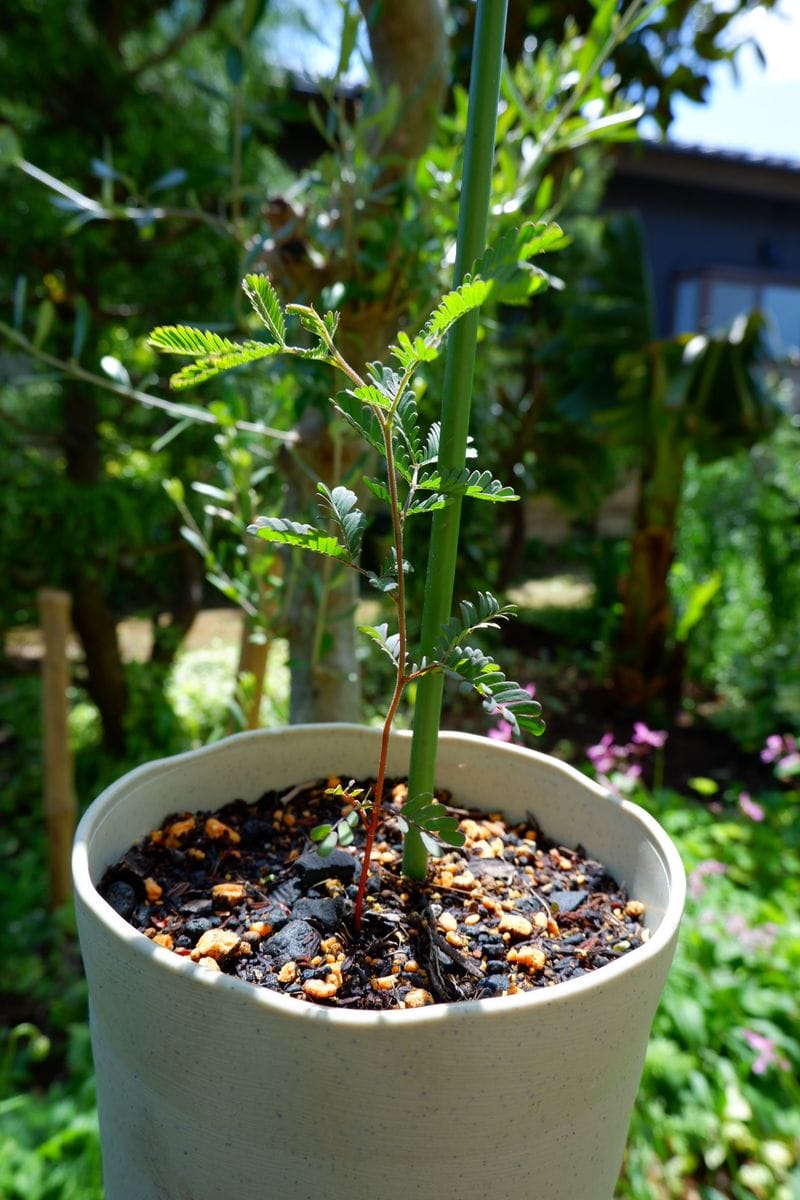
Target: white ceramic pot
x: 211, y: 1089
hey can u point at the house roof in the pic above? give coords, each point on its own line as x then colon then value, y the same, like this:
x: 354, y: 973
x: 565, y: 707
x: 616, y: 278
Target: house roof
x: 715, y: 170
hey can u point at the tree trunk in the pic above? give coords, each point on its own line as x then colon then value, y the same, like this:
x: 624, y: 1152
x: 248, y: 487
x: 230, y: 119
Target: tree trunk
x: 644, y: 671
x: 92, y: 618
x: 187, y: 598
x: 409, y: 51
x: 320, y: 607
x: 253, y: 657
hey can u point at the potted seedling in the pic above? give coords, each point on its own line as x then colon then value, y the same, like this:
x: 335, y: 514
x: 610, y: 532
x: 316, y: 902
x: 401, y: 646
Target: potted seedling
x: 377, y: 1024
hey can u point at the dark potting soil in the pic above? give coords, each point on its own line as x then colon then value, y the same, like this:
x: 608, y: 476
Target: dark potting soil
x: 243, y: 890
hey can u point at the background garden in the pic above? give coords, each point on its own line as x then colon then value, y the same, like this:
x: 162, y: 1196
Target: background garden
x: 154, y: 151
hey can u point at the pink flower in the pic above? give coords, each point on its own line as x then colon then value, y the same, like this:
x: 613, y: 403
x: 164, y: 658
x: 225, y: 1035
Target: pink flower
x: 749, y: 807
x: 502, y: 732
x: 766, y: 1052
x: 696, y: 880
x: 648, y: 737
x: 603, y: 756
x: 755, y: 937
x: 773, y: 748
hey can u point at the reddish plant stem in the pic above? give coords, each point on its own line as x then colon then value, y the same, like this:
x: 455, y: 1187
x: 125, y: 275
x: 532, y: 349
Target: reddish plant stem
x: 400, y: 681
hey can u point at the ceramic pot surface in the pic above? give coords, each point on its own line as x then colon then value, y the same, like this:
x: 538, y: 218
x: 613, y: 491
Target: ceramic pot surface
x: 212, y: 1089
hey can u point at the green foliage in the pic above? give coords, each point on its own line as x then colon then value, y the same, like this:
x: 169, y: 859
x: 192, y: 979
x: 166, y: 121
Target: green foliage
x: 471, y: 617
x: 384, y: 411
x: 500, y: 697
x: 436, y: 827
x: 741, y: 515
x: 305, y: 537
x: 262, y: 297
x: 213, y: 353
x: 718, y: 1112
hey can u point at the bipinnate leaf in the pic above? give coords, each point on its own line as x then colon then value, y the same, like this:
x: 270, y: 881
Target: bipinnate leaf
x: 373, y: 397
x: 378, y: 488
x: 389, y: 643
x: 435, y: 825
x: 306, y: 537
x: 183, y: 339
x: 263, y: 298
x: 361, y: 418
x: 451, y: 308
x: 341, y: 503
x: 500, y: 696
x: 212, y: 352
x: 427, y: 504
x: 478, y: 485
x: 408, y: 446
x: 483, y: 614
x: 506, y: 266
x: 386, y: 580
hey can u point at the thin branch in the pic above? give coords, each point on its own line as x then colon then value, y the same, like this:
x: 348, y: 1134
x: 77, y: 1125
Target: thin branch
x: 210, y: 10
x: 181, y: 411
x: 125, y: 212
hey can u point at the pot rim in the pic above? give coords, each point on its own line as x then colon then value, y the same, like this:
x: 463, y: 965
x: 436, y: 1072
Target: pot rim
x: 101, y: 809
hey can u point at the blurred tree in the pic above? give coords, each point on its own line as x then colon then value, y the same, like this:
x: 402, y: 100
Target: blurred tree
x: 167, y: 111
x: 105, y: 90
x: 669, y: 56
x: 657, y: 401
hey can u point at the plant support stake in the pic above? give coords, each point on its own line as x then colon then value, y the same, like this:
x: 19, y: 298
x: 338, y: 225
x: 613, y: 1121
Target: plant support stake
x: 473, y: 219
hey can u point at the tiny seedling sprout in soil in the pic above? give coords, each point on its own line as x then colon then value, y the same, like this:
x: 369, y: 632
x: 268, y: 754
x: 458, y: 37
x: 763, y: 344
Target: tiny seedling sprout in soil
x: 381, y: 407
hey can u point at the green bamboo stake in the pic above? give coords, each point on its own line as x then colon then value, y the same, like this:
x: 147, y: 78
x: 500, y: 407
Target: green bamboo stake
x: 473, y: 220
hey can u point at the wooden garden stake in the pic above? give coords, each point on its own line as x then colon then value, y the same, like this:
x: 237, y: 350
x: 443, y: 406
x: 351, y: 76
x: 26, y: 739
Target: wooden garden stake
x: 59, y: 788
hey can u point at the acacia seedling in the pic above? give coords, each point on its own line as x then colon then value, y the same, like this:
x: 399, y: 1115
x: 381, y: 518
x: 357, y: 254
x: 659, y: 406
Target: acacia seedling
x: 381, y: 408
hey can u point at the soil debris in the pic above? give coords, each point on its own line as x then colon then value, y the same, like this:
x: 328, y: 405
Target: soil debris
x: 243, y: 891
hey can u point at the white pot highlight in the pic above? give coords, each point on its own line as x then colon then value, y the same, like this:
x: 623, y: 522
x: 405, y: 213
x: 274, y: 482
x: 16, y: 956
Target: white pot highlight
x: 211, y: 1089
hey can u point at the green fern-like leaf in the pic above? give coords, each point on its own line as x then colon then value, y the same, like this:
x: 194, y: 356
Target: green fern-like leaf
x: 411, y: 353
x: 372, y: 396
x: 386, y: 580
x: 183, y: 339
x: 306, y: 537
x: 203, y: 369
x: 265, y: 302
x: 362, y: 419
x: 451, y: 308
x: 315, y: 324
x: 389, y: 643
x: 478, y: 485
x: 500, y: 696
x: 378, y: 489
x: 483, y: 614
x: 505, y: 265
x: 427, y: 504
x: 430, y: 818
x: 212, y: 352
x: 405, y: 430
x: 341, y: 503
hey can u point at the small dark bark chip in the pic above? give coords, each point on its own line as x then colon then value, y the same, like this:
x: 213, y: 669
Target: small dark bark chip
x: 121, y: 896
x: 314, y: 868
x: 297, y: 940
x: 567, y: 902
x: 322, y: 912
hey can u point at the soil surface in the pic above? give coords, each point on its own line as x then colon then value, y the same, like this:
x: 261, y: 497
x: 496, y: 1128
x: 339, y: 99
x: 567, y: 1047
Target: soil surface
x: 243, y: 890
